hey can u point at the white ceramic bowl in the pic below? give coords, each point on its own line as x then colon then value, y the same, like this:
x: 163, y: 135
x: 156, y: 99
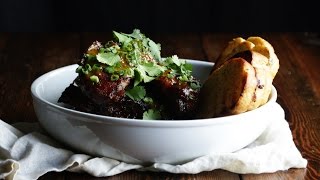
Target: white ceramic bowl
x: 143, y: 141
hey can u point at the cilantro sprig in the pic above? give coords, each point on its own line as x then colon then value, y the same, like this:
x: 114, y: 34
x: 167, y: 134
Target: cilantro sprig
x: 147, y: 72
x: 151, y: 114
x: 136, y: 93
x: 178, y: 68
x: 139, y: 41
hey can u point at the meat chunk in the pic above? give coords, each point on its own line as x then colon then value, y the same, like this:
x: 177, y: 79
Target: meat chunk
x: 124, y: 108
x: 177, y: 97
x: 106, y: 90
x: 106, y: 97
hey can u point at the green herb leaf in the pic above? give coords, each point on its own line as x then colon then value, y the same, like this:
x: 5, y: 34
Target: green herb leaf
x: 151, y: 114
x: 185, y: 70
x: 109, y: 69
x: 155, y: 50
x: 188, y: 67
x: 143, y: 74
x: 195, y: 85
x: 108, y: 58
x: 152, y: 68
x: 137, y: 77
x: 121, y: 37
x: 136, y: 34
x: 176, y: 60
x: 136, y: 93
x: 145, y: 43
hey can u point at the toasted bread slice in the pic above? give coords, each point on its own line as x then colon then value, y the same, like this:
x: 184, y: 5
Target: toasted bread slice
x: 260, y: 54
x: 228, y: 90
x: 241, y: 79
x: 263, y: 74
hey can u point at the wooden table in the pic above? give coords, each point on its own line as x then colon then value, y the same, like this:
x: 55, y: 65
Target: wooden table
x: 25, y: 56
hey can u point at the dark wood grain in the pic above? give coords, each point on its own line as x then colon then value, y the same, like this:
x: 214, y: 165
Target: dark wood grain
x: 301, y: 105
x: 296, y: 174
x: 25, y: 56
x: 138, y: 175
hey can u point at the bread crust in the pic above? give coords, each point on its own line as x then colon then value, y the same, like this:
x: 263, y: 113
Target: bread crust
x: 234, y: 47
x: 263, y: 75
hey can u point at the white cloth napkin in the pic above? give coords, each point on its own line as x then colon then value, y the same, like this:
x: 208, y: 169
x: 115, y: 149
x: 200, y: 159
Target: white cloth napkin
x: 29, y: 152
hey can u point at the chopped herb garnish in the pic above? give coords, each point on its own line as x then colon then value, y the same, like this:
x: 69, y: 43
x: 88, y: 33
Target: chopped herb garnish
x: 109, y: 69
x: 195, y: 85
x: 102, y: 50
x: 121, y: 72
x: 170, y: 75
x: 96, y: 67
x: 94, y: 78
x: 183, y: 78
x: 136, y: 93
x: 85, y: 71
x: 114, y: 77
x: 79, y: 69
x: 151, y: 114
x: 148, y: 100
x: 178, y: 68
x: 88, y: 67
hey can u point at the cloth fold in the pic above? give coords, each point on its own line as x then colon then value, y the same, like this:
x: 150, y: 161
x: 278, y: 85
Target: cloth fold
x: 27, y: 152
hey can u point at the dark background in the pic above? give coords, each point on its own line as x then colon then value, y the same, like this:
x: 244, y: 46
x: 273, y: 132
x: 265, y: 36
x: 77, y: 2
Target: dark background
x: 158, y: 16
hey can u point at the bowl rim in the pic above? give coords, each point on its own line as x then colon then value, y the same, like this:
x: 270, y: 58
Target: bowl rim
x: 139, y: 122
